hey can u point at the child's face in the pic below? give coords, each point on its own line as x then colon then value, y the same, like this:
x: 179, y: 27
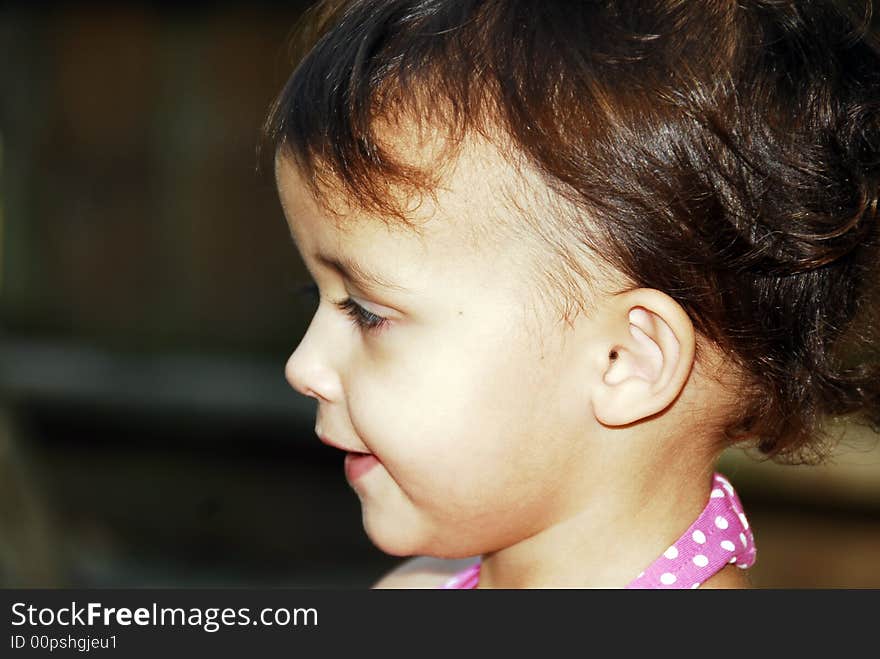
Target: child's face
x: 469, y: 397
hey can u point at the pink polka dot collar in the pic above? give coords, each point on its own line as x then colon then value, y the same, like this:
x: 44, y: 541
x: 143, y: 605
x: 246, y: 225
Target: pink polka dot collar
x: 720, y: 535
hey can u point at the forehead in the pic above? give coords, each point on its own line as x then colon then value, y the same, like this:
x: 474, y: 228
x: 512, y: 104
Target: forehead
x: 469, y: 211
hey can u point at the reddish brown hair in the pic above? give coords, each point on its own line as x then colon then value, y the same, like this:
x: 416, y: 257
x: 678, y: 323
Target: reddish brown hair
x: 727, y: 153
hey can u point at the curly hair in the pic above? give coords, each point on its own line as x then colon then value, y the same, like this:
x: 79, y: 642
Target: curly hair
x: 724, y: 152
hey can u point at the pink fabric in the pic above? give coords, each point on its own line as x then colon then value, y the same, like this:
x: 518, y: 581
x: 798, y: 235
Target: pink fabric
x: 720, y: 535
x: 467, y: 578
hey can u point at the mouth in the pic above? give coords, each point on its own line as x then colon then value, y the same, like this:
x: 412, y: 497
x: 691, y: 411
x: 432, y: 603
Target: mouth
x: 358, y: 464
x: 328, y: 441
x: 341, y: 447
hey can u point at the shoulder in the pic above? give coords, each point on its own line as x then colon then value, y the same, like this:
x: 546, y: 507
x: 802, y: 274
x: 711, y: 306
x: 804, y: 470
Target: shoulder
x: 424, y: 572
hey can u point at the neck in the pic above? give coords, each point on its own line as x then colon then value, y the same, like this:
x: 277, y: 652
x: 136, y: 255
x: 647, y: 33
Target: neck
x: 610, y: 539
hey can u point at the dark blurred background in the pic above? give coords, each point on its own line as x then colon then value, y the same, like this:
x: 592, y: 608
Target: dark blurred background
x: 147, y: 307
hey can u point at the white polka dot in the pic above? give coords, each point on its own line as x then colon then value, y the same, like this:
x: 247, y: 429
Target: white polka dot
x: 695, y: 586
x: 741, y: 566
x: 728, y: 487
x: 641, y: 574
x: 699, y: 537
x: 744, y: 521
x: 728, y: 545
x: 667, y: 578
x: 742, y: 537
x: 671, y: 553
x: 700, y: 560
x: 721, y: 522
x: 716, y: 494
x: 732, y: 560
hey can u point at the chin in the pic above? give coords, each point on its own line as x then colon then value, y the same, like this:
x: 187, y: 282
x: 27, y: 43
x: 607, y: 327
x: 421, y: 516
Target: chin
x: 399, y: 539
x: 393, y: 539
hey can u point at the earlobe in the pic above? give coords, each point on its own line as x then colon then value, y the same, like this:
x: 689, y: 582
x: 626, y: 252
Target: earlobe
x: 649, y: 360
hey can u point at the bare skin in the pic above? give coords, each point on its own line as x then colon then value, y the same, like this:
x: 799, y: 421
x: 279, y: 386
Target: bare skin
x: 428, y: 572
x: 563, y: 454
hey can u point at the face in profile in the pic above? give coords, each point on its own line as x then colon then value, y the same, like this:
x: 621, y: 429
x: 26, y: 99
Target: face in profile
x: 441, y: 366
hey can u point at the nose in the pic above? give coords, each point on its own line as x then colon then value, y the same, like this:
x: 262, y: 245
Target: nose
x: 309, y: 372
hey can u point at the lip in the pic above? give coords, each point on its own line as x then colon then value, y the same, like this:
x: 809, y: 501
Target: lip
x: 329, y: 442
x: 358, y: 464
x: 326, y: 440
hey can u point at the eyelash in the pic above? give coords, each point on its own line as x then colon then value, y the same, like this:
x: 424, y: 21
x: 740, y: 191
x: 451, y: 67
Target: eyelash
x: 363, y: 319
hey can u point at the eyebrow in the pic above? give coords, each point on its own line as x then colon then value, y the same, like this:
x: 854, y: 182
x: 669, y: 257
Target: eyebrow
x: 353, y: 271
x: 357, y: 274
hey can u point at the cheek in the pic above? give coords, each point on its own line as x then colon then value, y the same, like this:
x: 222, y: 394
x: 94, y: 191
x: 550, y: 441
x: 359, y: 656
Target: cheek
x: 461, y: 420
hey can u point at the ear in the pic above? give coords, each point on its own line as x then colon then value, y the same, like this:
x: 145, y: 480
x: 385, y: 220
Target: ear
x: 645, y: 356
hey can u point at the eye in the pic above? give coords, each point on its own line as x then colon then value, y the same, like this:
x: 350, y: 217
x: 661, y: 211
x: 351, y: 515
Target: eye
x: 363, y: 319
